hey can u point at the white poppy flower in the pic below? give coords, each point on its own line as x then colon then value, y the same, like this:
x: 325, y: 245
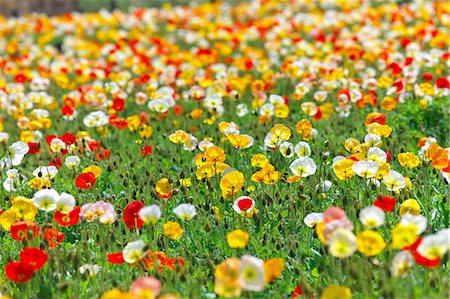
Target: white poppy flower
x: 303, y: 166
x: 46, y: 199
x: 372, y: 217
x: 185, y: 211
x: 251, y: 273
x: 134, y: 252
x: 150, y: 214
x: 313, y: 218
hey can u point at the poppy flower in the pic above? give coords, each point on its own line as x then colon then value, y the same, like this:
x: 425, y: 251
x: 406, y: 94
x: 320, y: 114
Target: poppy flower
x: 24, y: 230
x: 18, y: 271
x: 68, y: 219
x: 33, y: 148
x: 118, y: 104
x: 102, y: 155
x: 68, y: 138
x: 36, y: 258
x: 442, y: 83
x: 386, y: 203
x: 85, y: 180
x: 147, y: 150
x: 55, y: 162
x: 115, y: 258
x: 131, y: 215
x: 53, y: 237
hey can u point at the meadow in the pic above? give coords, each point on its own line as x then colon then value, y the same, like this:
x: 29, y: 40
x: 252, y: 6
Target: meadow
x: 265, y: 149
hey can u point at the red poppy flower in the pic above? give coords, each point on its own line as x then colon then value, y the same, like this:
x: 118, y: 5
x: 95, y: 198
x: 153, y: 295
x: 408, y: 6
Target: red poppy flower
x: 67, y: 110
x: 94, y: 145
x: 245, y: 203
x: 85, y: 180
x: 442, y: 83
x: 115, y: 258
x: 297, y: 292
x: 24, y: 230
x: 388, y: 156
x: 177, y: 110
x: 33, y: 148
x: 131, y: 216
x: 68, y: 219
x: 386, y: 203
x: 102, y: 155
x: 118, y: 104
x: 147, y: 150
x: 56, y: 162
x: 69, y: 138
x: 36, y: 258
x: 427, y: 76
x: 53, y: 237
x: 20, y: 78
x: 18, y: 271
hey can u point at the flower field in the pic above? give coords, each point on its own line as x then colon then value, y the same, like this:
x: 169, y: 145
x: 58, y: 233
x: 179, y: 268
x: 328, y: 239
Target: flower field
x: 263, y: 149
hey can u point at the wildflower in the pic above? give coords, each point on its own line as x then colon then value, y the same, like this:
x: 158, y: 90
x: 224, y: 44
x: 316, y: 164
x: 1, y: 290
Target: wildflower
x: 336, y: 292
x: 185, y: 211
x: 313, y: 218
x: 173, y: 230
x: 303, y: 167
x: 365, y: 169
x: 342, y: 243
x: 394, y: 181
x: 90, y: 270
x: 164, y: 188
x: 18, y: 271
x: 46, y: 199
x: 401, y: 263
x: 150, y: 214
x: 240, y: 141
x: 53, y: 237
x: 404, y: 235
x: 434, y: 246
x: 226, y: 278
x: 85, y: 180
x: 237, y: 238
x: 304, y: 128
x: 67, y: 219
x: 131, y: 215
x: 72, y: 162
x: 66, y: 203
x: 386, y: 203
x: 302, y: 149
x: 244, y: 205
x: 409, y: 206
x: 16, y: 152
x: 24, y: 230
x: 145, y: 287
x: 133, y: 252
x: 259, y: 160
x: 48, y: 172
x: 273, y: 269
x: 343, y: 169
x: 408, y: 160
x: 179, y: 136
x: 372, y: 217
x: 36, y: 258
x: 231, y: 183
x: 251, y: 273
x: 418, y: 220
x: 370, y: 243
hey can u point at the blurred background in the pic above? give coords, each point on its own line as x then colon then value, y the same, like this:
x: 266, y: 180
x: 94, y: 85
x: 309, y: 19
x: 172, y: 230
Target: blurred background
x: 55, y: 7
